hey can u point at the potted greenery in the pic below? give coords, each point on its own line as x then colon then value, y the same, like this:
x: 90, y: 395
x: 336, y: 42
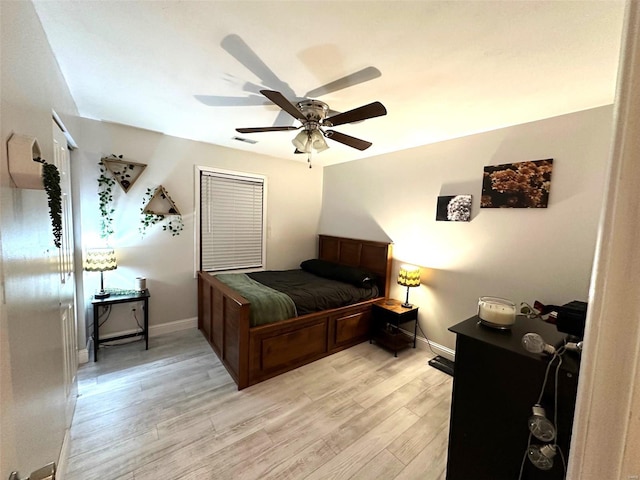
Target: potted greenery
x: 51, y: 182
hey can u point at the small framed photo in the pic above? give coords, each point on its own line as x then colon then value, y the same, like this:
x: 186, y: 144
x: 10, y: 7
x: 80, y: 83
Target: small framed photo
x: 454, y: 208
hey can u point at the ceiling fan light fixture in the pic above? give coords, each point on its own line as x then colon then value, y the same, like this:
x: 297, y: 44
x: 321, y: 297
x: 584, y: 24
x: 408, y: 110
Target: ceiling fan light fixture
x: 318, y: 143
x: 312, y: 114
x: 310, y: 140
x: 301, y: 142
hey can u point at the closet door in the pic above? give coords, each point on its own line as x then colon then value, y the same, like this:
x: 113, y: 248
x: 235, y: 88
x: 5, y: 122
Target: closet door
x: 66, y: 272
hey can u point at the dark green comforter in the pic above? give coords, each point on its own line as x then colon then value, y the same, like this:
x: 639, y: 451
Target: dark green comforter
x: 267, y: 305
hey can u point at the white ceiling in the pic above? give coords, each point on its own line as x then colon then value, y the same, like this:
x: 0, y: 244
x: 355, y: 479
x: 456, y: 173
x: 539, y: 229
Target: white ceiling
x: 447, y: 69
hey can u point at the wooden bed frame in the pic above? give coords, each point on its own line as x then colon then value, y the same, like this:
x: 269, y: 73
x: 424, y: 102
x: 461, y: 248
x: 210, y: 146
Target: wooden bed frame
x: 254, y: 354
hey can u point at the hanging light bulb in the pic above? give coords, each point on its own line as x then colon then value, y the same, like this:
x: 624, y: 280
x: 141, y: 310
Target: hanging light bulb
x: 532, y: 342
x: 542, y: 456
x: 540, y: 426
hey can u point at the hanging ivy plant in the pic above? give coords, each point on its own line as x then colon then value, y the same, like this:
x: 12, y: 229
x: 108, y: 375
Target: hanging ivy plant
x: 174, y: 225
x: 51, y: 182
x: 173, y: 222
x: 105, y: 200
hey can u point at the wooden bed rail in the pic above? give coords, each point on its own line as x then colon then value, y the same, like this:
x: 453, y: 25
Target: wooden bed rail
x: 223, y: 318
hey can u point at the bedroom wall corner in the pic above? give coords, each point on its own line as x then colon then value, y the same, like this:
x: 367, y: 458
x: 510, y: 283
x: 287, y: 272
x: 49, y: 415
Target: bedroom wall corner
x: 167, y: 261
x: 520, y: 254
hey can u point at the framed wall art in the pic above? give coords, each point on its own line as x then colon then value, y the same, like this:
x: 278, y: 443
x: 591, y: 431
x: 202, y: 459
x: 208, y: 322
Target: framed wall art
x: 454, y: 208
x: 517, y: 185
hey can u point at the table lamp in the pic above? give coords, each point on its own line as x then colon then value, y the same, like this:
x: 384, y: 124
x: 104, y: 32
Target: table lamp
x: 408, y: 276
x: 100, y: 260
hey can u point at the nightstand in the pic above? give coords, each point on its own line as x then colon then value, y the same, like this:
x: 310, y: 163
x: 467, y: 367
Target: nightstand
x: 387, y: 316
x: 142, y: 296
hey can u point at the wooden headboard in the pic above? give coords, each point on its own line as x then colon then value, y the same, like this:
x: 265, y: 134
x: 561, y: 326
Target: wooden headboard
x: 374, y: 257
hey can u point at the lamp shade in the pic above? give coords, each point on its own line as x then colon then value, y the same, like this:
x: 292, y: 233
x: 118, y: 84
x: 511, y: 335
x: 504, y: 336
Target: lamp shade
x: 409, y: 276
x: 100, y: 260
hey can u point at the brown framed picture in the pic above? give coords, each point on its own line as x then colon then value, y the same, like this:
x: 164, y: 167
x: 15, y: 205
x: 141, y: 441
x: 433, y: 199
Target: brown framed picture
x: 517, y: 185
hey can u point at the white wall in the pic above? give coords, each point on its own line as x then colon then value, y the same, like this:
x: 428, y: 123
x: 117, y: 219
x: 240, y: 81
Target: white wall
x: 31, y: 358
x: 520, y: 254
x: 293, y: 211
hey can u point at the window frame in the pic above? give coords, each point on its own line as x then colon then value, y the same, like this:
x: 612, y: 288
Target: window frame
x: 199, y: 170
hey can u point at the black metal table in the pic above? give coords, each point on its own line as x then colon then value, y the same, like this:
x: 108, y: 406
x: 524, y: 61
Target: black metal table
x: 113, y: 299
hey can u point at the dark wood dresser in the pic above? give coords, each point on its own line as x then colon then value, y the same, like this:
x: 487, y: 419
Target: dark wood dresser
x: 496, y: 382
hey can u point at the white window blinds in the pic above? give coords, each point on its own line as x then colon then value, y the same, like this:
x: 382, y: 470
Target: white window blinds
x: 231, y: 221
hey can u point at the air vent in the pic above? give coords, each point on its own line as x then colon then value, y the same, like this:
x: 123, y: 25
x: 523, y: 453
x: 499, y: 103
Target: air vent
x: 245, y: 140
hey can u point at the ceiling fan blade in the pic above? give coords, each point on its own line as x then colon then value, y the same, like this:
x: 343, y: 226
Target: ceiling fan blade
x: 347, y: 140
x: 264, y: 129
x: 360, y: 76
x: 239, y: 50
x: 283, y: 103
x: 216, y: 101
x: 375, y: 109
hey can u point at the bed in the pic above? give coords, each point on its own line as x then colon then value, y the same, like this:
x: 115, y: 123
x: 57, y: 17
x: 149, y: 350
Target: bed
x: 252, y: 354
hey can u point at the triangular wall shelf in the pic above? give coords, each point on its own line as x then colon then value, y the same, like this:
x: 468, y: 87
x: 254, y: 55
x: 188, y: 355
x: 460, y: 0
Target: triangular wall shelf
x: 124, y: 172
x: 160, y: 203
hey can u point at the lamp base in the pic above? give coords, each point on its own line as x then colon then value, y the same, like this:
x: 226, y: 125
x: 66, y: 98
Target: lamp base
x: 406, y: 305
x: 102, y: 294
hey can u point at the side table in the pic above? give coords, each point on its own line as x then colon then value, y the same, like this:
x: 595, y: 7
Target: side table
x: 113, y: 299
x: 387, y: 315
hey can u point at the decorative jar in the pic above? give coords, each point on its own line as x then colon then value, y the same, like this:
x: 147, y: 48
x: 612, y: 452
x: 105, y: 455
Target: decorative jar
x: 496, y: 312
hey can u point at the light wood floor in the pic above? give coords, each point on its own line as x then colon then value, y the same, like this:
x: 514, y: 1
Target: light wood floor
x: 173, y: 412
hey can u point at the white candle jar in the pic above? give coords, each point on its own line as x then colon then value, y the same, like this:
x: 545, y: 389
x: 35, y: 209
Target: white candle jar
x: 141, y: 284
x: 496, y: 312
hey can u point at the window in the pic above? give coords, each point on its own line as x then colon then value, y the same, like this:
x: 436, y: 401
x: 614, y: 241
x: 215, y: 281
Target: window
x: 231, y: 226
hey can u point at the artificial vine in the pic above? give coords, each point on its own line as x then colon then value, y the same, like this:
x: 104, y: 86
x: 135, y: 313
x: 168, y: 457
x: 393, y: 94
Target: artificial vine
x: 174, y: 225
x: 173, y: 222
x: 51, y: 182
x: 105, y: 199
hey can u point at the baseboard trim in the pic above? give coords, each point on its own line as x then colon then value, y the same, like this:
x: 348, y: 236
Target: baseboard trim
x: 83, y: 354
x: 155, y: 330
x: 170, y: 327
x: 446, y: 352
x: 63, y: 459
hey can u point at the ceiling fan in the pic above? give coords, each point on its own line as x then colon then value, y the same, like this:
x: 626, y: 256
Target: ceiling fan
x: 314, y: 119
x: 238, y: 49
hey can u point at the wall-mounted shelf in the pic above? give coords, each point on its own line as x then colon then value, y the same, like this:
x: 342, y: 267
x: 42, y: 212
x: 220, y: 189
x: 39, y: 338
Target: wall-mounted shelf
x: 24, y: 170
x: 124, y: 172
x: 160, y: 203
